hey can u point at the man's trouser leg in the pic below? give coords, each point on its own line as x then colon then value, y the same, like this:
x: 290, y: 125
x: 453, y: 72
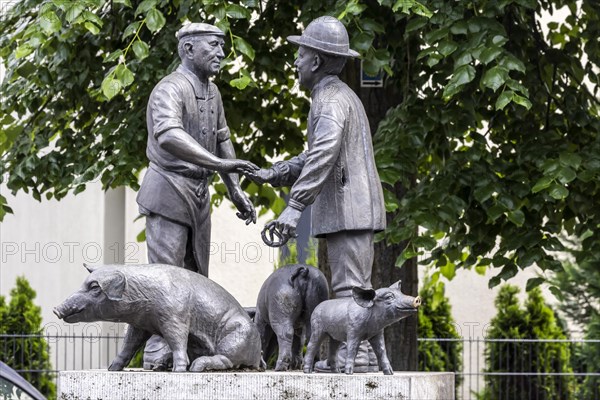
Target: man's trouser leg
x: 350, y: 255
x: 167, y: 243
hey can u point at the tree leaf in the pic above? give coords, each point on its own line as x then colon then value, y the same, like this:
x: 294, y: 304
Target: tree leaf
x: 566, y: 175
x: 570, y: 159
x: 244, y: 47
x: 23, y: 50
x: 355, y: 8
x: 110, y: 87
x: 237, y: 12
x: 459, y: 28
x: 113, y: 56
x: 241, y: 82
x: 490, y: 54
x: 462, y: 75
x: 74, y: 11
x: 447, y: 47
x: 556, y: 292
x: 504, y: 98
x: 155, y: 20
x: 140, y: 49
x: 448, y: 270
x: 494, y: 78
x: 558, y: 192
x: 91, y: 27
x: 124, y: 75
x: 362, y: 41
x: 542, y: 184
x: 533, y: 283
x: 126, y: 3
x: 50, y: 23
x: 522, y: 101
x: 511, y: 62
x: 145, y: 6
x: 517, y: 217
x: 131, y: 29
x: 483, y: 193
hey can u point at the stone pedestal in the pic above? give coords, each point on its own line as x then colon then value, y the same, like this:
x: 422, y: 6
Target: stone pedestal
x: 136, y: 384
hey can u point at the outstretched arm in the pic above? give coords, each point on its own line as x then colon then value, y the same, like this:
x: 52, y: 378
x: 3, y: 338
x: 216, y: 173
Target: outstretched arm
x: 177, y: 142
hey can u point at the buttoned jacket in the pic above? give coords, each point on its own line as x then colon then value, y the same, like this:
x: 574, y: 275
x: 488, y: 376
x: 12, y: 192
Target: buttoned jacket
x: 337, y: 174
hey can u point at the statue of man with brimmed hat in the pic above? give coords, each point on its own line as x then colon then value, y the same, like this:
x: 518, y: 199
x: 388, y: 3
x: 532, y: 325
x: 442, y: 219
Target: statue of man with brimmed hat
x: 188, y: 140
x: 337, y: 174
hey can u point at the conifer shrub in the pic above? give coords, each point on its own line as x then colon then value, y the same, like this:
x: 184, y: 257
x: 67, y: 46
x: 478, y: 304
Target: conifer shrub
x: 28, y: 354
x: 436, y: 321
x: 535, y: 360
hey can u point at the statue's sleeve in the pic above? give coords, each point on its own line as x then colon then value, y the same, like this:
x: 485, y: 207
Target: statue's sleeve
x: 288, y: 171
x: 223, y: 133
x: 166, y: 106
x: 321, y: 157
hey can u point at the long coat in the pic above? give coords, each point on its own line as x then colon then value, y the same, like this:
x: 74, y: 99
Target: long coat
x: 337, y: 175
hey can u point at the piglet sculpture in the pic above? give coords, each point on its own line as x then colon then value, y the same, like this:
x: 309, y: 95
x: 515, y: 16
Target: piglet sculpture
x: 354, y: 319
x: 199, y: 319
x: 285, y: 302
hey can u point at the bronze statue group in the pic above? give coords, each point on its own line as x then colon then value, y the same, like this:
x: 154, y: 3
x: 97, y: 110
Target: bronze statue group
x: 188, y: 141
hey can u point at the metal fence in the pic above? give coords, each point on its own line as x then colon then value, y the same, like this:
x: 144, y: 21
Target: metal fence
x: 528, y: 369
x: 486, y: 369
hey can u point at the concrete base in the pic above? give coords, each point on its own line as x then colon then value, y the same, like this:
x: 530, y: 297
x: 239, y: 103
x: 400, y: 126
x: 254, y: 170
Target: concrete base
x: 137, y: 384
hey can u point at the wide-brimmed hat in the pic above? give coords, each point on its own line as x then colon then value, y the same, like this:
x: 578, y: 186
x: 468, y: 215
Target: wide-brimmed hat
x: 325, y: 34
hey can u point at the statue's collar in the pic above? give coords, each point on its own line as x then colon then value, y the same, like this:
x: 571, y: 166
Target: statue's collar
x: 200, y: 90
x: 324, y: 84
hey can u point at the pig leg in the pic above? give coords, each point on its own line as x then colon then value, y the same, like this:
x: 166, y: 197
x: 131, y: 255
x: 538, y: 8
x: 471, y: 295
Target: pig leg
x: 352, y: 348
x: 378, y: 344
x: 266, y: 338
x: 297, y: 349
x: 285, y: 336
x: 208, y: 363
x: 333, y: 348
x: 316, y: 338
x: 177, y: 337
x: 134, y: 339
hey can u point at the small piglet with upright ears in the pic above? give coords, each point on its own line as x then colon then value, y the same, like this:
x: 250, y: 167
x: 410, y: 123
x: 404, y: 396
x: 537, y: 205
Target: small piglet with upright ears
x: 354, y: 319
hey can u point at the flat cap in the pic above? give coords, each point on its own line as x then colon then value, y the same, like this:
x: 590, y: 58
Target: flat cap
x: 198, y: 28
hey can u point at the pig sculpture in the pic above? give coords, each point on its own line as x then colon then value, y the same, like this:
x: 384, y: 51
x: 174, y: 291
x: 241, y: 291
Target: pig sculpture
x: 285, y: 302
x: 354, y: 319
x: 199, y: 319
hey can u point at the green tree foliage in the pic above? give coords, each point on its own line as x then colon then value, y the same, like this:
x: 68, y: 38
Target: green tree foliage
x: 21, y: 317
x: 533, y: 321
x: 495, y: 138
x: 436, y: 321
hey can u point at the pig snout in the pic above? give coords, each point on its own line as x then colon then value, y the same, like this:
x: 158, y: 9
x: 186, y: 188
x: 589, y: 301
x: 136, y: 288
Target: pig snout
x: 417, y: 302
x: 67, y: 309
x: 409, y: 302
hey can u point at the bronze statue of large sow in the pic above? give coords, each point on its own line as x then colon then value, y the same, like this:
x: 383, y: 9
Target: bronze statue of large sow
x: 199, y: 319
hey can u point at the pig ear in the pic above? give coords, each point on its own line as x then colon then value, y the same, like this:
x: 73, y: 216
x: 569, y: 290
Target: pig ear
x: 363, y: 297
x: 396, y: 285
x: 113, y: 285
x: 90, y: 268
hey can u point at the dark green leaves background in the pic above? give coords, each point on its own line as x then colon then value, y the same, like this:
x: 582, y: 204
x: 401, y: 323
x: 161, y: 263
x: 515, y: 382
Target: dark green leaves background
x: 495, y: 138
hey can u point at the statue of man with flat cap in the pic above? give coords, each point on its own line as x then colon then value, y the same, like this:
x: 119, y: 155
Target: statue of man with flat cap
x: 337, y: 175
x: 188, y: 140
